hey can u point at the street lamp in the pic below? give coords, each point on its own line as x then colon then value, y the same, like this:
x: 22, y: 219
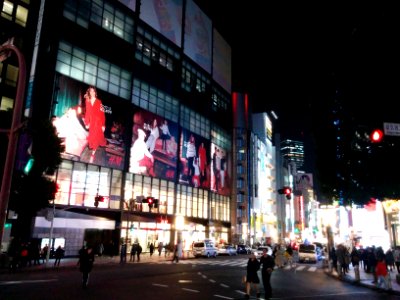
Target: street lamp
x: 13, y: 132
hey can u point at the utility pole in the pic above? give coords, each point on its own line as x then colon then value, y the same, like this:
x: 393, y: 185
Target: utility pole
x: 5, y: 50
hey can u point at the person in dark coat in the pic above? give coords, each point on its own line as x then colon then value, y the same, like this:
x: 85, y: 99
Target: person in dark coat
x: 58, y: 255
x: 86, y: 260
x: 268, y: 265
x: 253, y: 265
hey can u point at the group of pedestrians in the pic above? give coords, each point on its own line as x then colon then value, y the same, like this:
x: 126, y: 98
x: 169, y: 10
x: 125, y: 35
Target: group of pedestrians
x: 267, y: 265
x: 372, y: 259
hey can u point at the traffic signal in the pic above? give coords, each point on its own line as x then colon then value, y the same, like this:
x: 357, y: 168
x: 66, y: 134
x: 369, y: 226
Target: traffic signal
x: 98, y: 199
x: 150, y: 201
x: 286, y: 191
x: 29, y: 165
x: 376, y: 136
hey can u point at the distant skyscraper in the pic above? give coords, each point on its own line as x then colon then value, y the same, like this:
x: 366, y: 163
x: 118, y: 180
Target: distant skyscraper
x: 293, y: 151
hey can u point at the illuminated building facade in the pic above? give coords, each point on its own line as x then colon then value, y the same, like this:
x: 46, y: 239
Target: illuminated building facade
x: 161, y: 80
x: 254, y: 188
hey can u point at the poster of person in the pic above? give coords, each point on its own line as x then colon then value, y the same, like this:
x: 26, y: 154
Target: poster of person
x: 304, y: 181
x: 154, y: 147
x: 194, y: 165
x: 91, y: 124
x: 220, y: 170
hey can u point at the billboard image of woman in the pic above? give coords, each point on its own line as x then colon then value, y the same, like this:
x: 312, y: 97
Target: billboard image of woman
x: 91, y: 124
x: 194, y: 167
x: 154, y: 146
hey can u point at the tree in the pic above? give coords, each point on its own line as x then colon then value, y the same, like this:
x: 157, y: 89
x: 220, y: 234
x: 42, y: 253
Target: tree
x: 33, y: 191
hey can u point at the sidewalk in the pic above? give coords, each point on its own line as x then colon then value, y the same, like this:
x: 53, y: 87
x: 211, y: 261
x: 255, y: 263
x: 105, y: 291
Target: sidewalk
x: 366, y: 279
x: 69, y: 262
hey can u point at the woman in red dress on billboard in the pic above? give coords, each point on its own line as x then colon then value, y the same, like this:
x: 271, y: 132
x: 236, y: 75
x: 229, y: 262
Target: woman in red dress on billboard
x: 95, y: 121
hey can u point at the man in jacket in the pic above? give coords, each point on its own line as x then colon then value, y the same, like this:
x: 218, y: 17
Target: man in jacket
x: 268, y: 264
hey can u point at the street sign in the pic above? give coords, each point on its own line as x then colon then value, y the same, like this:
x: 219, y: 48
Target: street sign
x: 392, y: 129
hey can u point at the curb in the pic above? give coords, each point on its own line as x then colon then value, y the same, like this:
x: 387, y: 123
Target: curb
x: 360, y: 283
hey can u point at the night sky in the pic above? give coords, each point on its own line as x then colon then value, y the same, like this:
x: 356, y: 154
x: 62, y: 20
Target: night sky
x: 296, y: 59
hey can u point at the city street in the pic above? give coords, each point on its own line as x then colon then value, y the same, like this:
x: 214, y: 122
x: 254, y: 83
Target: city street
x: 158, y: 278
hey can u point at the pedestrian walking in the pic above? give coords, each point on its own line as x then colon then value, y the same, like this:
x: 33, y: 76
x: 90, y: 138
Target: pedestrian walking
x: 268, y: 265
x: 253, y: 265
x: 122, y: 257
x: 355, y: 261
x: 85, y: 263
x: 138, y: 251
x: 151, y: 247
x: 133, y: 252
x: 177, y: 252
x: 59, y: 254
x: 382, y: 274
x: 160, y: 246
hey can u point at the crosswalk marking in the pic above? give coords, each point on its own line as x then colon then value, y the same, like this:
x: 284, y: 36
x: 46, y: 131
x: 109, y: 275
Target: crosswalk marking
x: 240, y: 263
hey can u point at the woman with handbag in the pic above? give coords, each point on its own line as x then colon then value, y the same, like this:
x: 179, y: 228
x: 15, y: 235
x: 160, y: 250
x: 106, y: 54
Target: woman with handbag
x: 253, y: 265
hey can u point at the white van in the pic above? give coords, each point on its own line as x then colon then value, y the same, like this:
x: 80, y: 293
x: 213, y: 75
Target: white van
x: 205, y: 248
x: 308, y: 253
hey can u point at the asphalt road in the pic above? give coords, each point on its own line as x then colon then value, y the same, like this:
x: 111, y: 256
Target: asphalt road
x: 212, y: 278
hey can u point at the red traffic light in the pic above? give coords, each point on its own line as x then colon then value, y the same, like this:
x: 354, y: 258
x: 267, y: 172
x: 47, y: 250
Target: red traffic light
x: 285, y: 191
x: 376, y: 136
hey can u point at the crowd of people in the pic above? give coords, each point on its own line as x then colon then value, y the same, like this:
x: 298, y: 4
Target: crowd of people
x: 372, y: 259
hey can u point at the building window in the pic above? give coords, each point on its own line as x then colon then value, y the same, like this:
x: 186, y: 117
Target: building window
x: 220, y: 103
x: 16, y: 11
x: 195, y: 122
x: 149, y: 49
x: 92, y: 70
x: 102, y: 14
x: 155, y: 100
x: 193, y: 79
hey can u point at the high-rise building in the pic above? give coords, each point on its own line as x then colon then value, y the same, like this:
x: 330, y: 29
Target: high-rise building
x: 136, y: 91
x: 293, y: 152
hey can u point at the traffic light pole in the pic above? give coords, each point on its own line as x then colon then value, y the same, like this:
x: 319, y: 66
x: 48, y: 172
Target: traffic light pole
x: 13, y: 133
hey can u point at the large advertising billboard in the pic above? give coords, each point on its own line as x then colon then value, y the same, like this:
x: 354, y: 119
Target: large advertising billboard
x: 165, y: 16
x: 221, y: 172
x: 222, y: 61
x: 194, y: 166
x: 154, y: 148
x: 91, y: 123
x: 198, y: 34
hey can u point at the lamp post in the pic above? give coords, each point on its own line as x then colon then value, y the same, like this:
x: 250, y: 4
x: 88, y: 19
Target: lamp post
x: 13, y: 132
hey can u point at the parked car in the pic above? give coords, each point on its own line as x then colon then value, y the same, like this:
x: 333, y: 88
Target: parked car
x: 226, y: 250
x: 243, y: 249
x: 205, y: 248
x: 259, y: 251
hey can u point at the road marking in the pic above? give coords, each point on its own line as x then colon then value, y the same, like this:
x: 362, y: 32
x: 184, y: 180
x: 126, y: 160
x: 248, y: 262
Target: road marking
x: 223, y: 297
x: 312, y: 269
x: 240, y: 292
x: 224, y: 285
x: 212, y: 280
x: 184, y: 281
x: 26, y: 281
x: 190, y: 290
x: 160, y: 285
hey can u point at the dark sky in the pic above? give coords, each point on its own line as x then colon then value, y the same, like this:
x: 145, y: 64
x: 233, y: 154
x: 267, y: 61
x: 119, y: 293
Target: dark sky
x: 295, y: 58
